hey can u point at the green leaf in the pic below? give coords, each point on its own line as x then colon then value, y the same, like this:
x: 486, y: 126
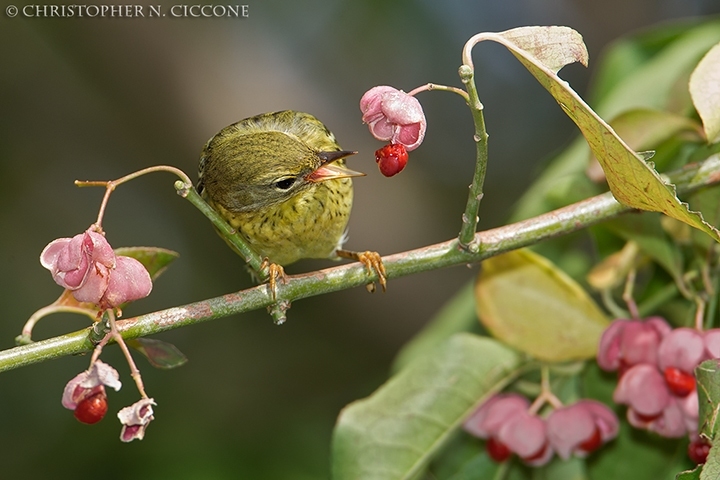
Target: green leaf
x: 160, y: 354
x: 457, y: 315
x: 154, y: 259
x: 711, y: 468
x: 708, y: 386
x: 528, y: 303
x: 632, y: 181
x: 705, y: 93
x: 464, y: 457
x: 693, y: 474
x: 480, y: 467
x: 641, y: 71
x: 394, y: 433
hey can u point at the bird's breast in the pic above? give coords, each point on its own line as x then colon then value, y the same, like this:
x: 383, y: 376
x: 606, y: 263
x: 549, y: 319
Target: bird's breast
x: 310, y: 224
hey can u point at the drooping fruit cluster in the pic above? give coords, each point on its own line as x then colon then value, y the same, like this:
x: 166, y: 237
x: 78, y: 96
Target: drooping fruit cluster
x: 395, y: 116
x: 85, y: 393
x: 656, y: 366
x: 508, y: 425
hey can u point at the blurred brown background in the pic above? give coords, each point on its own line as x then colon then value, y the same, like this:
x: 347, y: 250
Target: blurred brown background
x: 99, y: 98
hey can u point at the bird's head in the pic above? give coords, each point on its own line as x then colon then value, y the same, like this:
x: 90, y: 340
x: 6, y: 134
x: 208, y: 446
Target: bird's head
x: 248, y: 171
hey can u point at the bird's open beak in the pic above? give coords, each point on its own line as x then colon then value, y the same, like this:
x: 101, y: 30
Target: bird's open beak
x: 329, y: 170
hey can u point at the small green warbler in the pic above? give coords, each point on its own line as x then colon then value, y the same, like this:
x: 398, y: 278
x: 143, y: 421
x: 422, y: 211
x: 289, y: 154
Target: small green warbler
x: 280, y: 180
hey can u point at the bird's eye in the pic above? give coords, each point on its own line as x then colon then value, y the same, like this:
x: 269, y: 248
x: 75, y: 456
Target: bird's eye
x: 285, y: 183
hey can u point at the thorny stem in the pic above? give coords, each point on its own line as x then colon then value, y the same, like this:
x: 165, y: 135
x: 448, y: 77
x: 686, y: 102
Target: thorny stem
x: 475, y: 194
x: 562, y: 221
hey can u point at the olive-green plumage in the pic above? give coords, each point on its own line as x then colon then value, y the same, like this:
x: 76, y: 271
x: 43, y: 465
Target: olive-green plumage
x: 279, y: 179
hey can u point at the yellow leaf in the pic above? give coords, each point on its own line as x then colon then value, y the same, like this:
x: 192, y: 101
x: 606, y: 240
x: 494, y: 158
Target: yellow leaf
x: 528, y: 303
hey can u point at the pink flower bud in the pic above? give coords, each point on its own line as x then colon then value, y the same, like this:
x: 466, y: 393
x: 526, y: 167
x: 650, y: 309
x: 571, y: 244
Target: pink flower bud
x: 494, y: 413
x: 683, y: 348
x: 630, y: 342
x: 135, y: 419
x: 72, y: 261
x: 526, y: 435
x: 87, y: 266
x: 581, y: 428
x: 643, y: 388
x: 129, y: 281
x: 393, y: 115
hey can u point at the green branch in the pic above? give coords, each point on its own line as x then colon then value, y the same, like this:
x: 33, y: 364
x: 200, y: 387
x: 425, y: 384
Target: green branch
x: 496, y: 241
x: 467, y: 237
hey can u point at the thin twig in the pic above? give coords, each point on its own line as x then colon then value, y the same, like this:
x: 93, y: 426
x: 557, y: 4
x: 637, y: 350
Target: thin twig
x: 111, y: 185
x: 628, y: 294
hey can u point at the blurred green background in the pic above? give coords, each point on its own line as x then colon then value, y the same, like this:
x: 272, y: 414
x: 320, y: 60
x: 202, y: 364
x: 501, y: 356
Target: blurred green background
x: 99, y: 98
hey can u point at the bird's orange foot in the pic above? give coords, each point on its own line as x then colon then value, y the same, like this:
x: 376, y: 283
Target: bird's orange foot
x: 373, y: 263
x: 275, y: 272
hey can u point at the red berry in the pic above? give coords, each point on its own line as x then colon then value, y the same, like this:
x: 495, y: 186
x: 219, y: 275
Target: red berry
x: 648, y: 418
x: 92, y: 409
x: 679, y: 382
x: 698, y: 450
x: 592, y: 443
x: 391, y: 159
x: 497, y: 450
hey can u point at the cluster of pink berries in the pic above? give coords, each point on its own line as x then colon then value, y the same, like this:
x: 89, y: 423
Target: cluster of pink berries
x: 656, y: 364
x: 508, y: 424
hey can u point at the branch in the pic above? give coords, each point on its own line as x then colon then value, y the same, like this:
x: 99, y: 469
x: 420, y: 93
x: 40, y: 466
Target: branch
x: 492, y: 242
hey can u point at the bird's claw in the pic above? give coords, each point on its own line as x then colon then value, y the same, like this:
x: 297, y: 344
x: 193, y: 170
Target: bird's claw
x: 373, y: 263
x: 275, y: 272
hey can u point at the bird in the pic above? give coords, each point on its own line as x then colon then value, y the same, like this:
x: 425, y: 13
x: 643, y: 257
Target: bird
x: 280, y: 180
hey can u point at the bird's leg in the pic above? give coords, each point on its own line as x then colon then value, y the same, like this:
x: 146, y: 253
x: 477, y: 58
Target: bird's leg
x: 372, y: 261
x: 275, y: 272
